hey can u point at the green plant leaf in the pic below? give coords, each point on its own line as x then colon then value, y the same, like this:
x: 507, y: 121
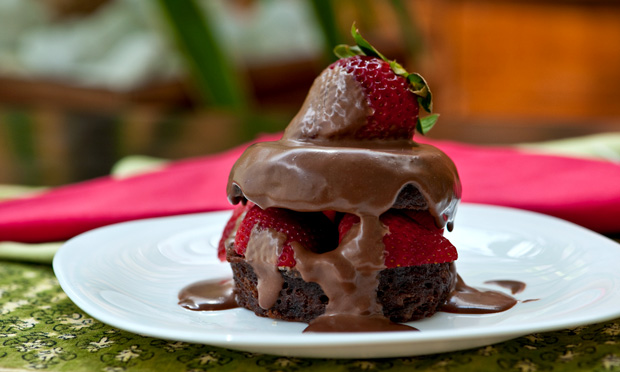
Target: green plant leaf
x: 213, y: 71
x: 426, y: 123
x: 326, y: 16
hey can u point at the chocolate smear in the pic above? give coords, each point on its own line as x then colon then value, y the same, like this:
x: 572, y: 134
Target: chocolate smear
x: 208, y: 295
x: 468, y: 300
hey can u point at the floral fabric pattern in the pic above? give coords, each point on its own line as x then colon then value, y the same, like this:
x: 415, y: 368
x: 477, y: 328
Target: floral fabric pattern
x: 41, y: 329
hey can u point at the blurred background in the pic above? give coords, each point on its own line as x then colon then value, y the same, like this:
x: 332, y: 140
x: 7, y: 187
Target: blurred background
x: 84, y: 83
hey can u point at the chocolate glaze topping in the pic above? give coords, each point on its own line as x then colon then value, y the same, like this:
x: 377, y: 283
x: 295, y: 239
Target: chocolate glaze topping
x: 363, y: 180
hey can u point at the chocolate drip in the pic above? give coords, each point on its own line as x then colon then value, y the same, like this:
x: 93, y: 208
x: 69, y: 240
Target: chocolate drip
x: 355, y: 323
x: 208, y: 295
x: 349, y: 274
x: 468, y: 300
x: 264, y: 248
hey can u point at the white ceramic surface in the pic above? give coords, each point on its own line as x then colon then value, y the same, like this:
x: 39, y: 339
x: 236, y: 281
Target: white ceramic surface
x: 128, y: 276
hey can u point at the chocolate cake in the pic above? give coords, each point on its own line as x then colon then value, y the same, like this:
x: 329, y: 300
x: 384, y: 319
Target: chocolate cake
x: 404, y: 293
x: 340, y: 223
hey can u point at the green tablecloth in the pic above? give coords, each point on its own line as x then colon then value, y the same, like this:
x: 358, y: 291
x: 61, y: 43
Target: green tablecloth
x: 40, y: 328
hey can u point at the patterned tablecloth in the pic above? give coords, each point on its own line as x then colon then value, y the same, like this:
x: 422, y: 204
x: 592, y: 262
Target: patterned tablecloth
x: 40, y: 328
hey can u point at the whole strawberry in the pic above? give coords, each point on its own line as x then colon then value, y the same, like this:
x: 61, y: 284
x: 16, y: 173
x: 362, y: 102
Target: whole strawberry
x: 312, y: 230
x: 363, y: 96
x: 409, y: 242
x: 394, y: 107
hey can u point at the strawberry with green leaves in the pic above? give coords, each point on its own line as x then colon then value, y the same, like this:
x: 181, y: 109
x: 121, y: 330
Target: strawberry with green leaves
x: 393, y: 94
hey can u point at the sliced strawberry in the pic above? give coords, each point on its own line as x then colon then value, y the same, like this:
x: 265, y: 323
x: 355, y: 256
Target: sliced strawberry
x: 230, y: 227
x: 409, y: 242
x: 423, y: 218
x: 331, y: 215
x: 394, y: 106
x: 312, y: 230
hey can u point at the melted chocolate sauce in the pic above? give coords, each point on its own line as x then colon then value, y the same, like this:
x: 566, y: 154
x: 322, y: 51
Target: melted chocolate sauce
x: 219, y: 295
x: 355, y: 323
x: 264, y: 248
x: 468, y: 300
x: 208, y: 295
x: 348, y: 275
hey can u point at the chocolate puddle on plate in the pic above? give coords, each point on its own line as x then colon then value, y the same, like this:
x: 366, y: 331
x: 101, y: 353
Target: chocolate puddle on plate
x: 209, y: 295
x: 215, y: 295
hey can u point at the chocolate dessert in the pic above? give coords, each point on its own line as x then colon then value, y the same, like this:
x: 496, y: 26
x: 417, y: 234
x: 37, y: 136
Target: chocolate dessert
x: 340, y: 223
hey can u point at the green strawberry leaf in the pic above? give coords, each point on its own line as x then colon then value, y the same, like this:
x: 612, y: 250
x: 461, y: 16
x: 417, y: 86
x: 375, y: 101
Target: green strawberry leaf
x: 425, y: 99
x: 398, y: 69
x: 421, y: 89
x: 426, y: 123
x: 364, y: 45
x: 346, y: 51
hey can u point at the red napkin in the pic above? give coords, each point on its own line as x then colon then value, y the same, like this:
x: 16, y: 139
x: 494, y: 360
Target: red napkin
x: 583, y: 191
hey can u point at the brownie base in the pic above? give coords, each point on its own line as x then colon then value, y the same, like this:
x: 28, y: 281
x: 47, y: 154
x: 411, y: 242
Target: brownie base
x: 405, y: 293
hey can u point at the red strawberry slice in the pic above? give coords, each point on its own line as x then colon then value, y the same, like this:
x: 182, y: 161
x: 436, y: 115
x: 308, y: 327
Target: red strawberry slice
x: 408, y: 243
x: 230, y: 227
x: 423, y: 218
x: 394, y: 106
x: 313, y: 230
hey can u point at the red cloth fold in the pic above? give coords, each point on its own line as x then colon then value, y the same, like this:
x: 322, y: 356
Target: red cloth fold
x: 586, y: 192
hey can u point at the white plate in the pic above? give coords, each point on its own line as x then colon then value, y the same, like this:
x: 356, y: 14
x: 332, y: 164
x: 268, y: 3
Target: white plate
x: 128, y: 276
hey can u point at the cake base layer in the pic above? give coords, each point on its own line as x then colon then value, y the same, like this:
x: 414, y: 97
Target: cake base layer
x: 405, y: 293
